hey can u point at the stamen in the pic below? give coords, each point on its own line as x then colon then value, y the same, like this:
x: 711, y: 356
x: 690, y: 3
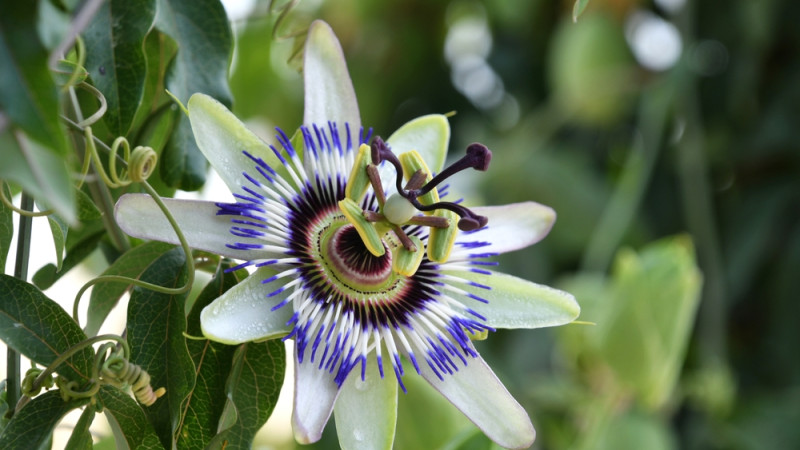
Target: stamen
x: 407, y: 243
x: 377, y: 186
x: 429, y: 221
x: 416, y: 181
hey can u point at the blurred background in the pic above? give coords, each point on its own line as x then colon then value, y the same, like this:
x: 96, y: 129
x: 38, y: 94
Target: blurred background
x: 665, y: 134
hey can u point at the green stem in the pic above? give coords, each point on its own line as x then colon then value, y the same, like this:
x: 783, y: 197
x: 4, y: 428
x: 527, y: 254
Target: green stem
x: 37, y: 383
x: 13, y: 373
x: 698, y: 206
x: 154, y: 287
x: 628, y: 194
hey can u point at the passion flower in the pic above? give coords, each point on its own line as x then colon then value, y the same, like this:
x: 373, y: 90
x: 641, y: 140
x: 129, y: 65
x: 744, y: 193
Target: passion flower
x: 359, y: 260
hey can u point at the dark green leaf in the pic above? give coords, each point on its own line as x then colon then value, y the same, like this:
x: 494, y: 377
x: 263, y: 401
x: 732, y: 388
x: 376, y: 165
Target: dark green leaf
x: 38, y: 171
x: 203, y: 35
x: 59, y: 229
x: 253, y: 387
x: 28, y: 95
x: 115, y: 58
x: 33, y: 424
x: 77, y: 252
x: 6, y: 228
x: 156, y: 323
x: 159, y: 49
x: 129, y: 418
x: 578, y: 8
x: 81, y: 438
x: 131, y: 264
x: 213, y: 361
x: 38, y: 328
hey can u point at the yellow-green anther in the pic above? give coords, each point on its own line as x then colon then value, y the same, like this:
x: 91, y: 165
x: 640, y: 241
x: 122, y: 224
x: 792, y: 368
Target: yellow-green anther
x: 441, y: 241
x: 359, y: 180
x: 479, y: 336
x: 398, y: 210
x: 412, y: 162
x: 366, y: 230
x: 406, y: 262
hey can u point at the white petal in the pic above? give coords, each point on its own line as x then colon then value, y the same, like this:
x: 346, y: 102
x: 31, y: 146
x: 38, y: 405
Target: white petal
x: 366, y: 411
x: 244, y: 312
x: 510, y: 227
x: 222, y: 137
x: 429, y: 135
x: 476, y: 392
x: 314, y: 395
x: 139, y: 216
x: 329, y: 93
x: 517, y: 303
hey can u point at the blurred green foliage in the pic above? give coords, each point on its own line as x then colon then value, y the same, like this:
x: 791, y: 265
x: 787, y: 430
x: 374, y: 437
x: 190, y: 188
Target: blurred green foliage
x: 676, y: 185
x: 627, y: 155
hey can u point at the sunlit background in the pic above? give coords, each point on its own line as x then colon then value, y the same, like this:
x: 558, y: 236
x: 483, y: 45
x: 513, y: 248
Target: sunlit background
x: 665, y: 134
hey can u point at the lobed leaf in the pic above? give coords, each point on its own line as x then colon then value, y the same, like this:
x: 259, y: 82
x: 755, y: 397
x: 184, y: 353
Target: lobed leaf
x: 115, y: 58
x: 203, y: 34
x: 40, y: 329
x: 156, y: 322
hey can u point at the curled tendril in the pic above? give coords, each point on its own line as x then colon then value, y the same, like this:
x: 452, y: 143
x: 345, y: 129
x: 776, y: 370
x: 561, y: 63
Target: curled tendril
x: 117, y: 371
x: 28, y: 387
x: 111, y: 367
x: 141, y: 162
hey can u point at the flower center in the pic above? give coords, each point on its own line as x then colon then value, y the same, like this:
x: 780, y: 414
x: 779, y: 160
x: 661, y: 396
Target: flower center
x: 354, y: 264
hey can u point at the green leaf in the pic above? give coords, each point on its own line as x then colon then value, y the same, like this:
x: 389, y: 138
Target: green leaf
x: 115, y: 57
x: 38, y: 171
x: 644, y: 330
x: 156, y: 323
x: 127, y: 415
x: 33, y: 425
x: 87, y: 210
x: 28, y: 95
x: 77, y: 251
x: 81, y: 438
x: 578, y: 8
x: 213, y: 361
x: 204, y: 39
x: 159, y: 49
x: 59, y: 230
x: 106, y: 295
x: 38, y: 328
x: 253, y: 387
x: 6, y: 228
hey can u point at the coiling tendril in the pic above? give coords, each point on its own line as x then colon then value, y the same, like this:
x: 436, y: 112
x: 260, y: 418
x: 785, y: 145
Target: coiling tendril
x: 111, y: 367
